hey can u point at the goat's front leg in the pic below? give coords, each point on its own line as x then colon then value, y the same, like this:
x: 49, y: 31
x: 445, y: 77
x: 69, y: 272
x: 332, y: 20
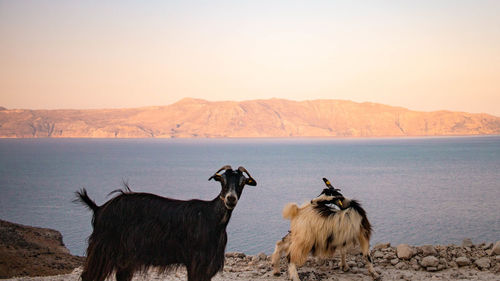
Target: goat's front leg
x: 124, y: 275
x: 343, y: 265
x: 292, y: 272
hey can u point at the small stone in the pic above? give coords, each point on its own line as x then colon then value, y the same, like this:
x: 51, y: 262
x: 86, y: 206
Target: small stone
x: 404, y: 251
x: 431, y: 268
x: 462, y: 261
x: 262, y: 256
x: 380, y: 246
x: 235, y: 255
x: 401, y: 265
x: 407, y: 277
x: 467, y: 242
x: 378, y: 255
x: 389, y: 256
x: 395, y: 261
x: 428, y: 250
x: 497, y: 258
x: 487, y: 246
x: 483, y: 263
x: 415, y: 266
x: 496, y: 249
x: 429, y: 261
x: 496, y: 269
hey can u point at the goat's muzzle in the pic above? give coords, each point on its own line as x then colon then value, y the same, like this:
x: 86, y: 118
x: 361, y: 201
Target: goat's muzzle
x: 230, y: 201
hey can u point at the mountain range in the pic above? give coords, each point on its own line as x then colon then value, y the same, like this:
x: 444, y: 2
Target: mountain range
x: 189, y: 118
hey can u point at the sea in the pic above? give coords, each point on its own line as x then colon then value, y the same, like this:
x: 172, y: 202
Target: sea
x: 426, y: 190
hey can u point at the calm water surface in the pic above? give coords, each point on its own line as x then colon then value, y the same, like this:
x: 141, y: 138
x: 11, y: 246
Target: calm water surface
x: 415, y: 190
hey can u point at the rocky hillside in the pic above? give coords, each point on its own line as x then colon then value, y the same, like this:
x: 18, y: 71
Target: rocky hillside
x: 255, y: 118
x: 33, y: 251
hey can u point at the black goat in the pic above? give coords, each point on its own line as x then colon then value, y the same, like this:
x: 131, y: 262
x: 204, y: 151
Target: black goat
x: 136, y: 231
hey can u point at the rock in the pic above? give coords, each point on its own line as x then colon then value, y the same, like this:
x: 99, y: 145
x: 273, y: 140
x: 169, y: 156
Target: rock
x: 404, y: 251
x: 467, y: 243
x: 395, y: 261
x: 429, y: 261
x: 428, y: 250
x: 389, y: 256
x: 497, y: 258
x: 378, y: 255
x: 262, y: 266
x: 262, y: 256
x: 462, y: 261
x: 431, y: 268
x: 380, y: 246
x: 401, y: 265
x: 496, y: 249
x: 483, y: 263
x: 487, y: 246
x: 33, y: 251
x: 235, y: 255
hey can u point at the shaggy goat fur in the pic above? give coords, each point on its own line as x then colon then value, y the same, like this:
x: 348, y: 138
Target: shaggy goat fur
x: 318, y: 229
x: 136, y: 231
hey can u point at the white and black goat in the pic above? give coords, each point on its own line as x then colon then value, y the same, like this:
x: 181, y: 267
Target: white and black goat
x: 320, y: 227
x: 135, y: 231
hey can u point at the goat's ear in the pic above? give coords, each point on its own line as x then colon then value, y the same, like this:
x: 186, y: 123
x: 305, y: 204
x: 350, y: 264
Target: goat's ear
x: 216, y: 177
x: 251, y: 182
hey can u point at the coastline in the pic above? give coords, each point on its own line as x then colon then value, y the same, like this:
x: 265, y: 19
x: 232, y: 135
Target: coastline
x: 239, y: 266
x: 403, y: 262
x: 38, y: 254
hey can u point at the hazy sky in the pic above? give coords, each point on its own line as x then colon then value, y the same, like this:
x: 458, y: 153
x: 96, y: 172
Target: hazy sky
x: 423, y: 55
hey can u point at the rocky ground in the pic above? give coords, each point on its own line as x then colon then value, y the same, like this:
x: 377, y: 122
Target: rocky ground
x: 452, y: 262
x: 28, y: 251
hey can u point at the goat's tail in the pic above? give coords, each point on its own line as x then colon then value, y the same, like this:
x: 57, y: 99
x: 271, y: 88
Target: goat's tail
x: 290, y: 211
x: 83, y: 197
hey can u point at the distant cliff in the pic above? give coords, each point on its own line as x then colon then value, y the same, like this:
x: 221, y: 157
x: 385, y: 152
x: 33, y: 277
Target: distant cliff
x: 255, y: 118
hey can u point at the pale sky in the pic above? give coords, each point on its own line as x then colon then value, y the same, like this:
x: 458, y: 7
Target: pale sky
x: 422, y: 55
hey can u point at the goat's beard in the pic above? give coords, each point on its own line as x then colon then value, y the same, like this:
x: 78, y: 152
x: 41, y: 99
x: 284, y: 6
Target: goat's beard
x: 229, y: 206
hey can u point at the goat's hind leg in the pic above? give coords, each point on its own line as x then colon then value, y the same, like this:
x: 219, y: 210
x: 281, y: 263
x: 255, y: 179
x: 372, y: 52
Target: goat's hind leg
x: 280, y: 248
x: 365, y: 249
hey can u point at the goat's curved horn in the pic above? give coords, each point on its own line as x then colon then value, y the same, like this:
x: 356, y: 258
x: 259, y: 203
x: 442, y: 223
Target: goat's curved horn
x: 224, y: 168
x: 227, y: 167
x: 243, y: 170
x: 250, y: 180
x: 329, y: 185
x: 327, y: 182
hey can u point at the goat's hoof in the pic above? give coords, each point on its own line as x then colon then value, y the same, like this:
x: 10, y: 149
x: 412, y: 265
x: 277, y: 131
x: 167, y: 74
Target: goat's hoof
x: 276, y: 273
x: 344, y: 267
